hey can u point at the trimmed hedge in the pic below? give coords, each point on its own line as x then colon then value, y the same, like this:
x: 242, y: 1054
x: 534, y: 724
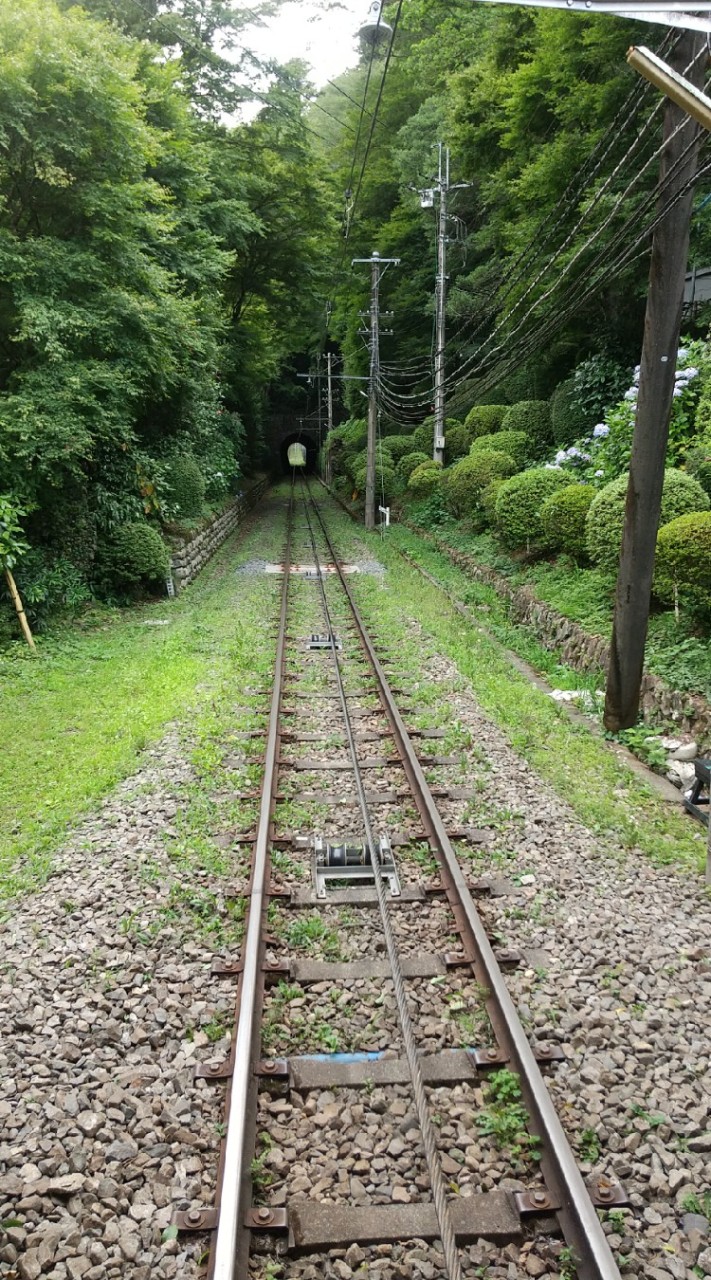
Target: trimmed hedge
x: 465, y: 482
x: 519, y: 502
x: 137, y: 556
x: 407, y: 464
x: 423, y: 437
x: 533, y: 417
x: 605, y: 519
x: 683, y: 559
x: 425, y: 479
x: 487, y: 501
x: 187, y: 486
x: 398, y: 446
x: 484, y: 419
x: 563, y: 518
x: 514, y: 443
x: 456, y: 443
x: 385, y: 478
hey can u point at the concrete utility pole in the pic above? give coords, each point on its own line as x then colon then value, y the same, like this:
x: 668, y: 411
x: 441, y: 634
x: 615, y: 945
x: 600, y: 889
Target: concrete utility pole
x: 329, y: 427
x: 441, y: 307
x: 662, y: 325
x: 377, y: 267
x: 443, y: 187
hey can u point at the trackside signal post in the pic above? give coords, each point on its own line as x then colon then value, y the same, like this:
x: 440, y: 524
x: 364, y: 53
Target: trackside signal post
x: 378, y: 267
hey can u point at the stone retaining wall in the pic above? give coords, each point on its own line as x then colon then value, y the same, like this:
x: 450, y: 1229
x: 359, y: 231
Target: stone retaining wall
x: 583, y: 652
x: 192, y: 553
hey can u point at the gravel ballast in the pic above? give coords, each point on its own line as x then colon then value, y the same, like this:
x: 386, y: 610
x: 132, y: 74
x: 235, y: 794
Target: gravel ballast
x: 108, y: 1002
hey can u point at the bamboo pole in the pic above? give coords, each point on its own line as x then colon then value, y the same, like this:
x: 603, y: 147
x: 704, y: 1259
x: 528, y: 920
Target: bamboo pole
x: 17, y: 601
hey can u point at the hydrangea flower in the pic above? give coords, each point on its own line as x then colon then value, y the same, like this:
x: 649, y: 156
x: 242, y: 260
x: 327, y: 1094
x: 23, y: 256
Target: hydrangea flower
x: 559, y: 457
x: 631, y: 394
x: 598, y: 474
x: 601, y: 430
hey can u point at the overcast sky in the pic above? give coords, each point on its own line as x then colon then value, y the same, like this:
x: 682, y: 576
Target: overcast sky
x: 326, y: 41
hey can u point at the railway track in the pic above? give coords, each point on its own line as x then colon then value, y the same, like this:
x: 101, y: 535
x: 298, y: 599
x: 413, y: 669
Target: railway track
x: 362, y: 942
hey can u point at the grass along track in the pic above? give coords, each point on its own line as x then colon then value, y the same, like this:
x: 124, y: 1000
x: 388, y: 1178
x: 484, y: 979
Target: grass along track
x: 73, y: 722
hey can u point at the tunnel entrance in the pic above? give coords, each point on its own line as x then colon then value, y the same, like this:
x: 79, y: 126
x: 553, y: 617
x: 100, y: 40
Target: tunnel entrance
x: 310, y: 443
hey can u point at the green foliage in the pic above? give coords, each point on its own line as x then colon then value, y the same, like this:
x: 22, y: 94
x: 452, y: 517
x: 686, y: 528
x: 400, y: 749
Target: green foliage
x: 50, y: 584
x: 563, y: 517
x: 579, y: 403
x: 345, y: 446
x: 514, y: 443
x: 487, y: 500
x: 597, y: 383
x: 398, y: 446
x: 533, y: 418
x: 456, y: 442
x: 12, y: 540
x: 569, y: 421
x: 465, y: 482
x: 485, y: 419
x: 605, y: 519
x: 425, y: 479
x: 186, y: 486
x: 519, y: 502
x: 423, y: 437
x: 683, y: 559
x: 407, y: 464
x: 387, y: 481
x: 698, y: 464
x: 504, y: 1117
x: 136, y: 557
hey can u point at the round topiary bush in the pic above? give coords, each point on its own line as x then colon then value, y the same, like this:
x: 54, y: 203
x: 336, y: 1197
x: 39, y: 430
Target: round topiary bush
x: 407, y: 465
x: 456, y: 443
x: 533, y: 417
x: 465, y: 482
x: 563, y: 518
x: 187, y: 486
x: 519, y: 502
x: 514, y: 443
x: 137, y: 556
x: 425, y: 479
x: 423, y: 437
x: 683, y: 561
x: 398, y: 446
x: 385, y: 479
x: 605, y: 519
x: 484, y: 419
x: 487, y: 501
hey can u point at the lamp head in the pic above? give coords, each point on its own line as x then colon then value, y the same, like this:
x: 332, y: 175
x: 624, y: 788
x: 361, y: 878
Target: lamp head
x: 375, y: 29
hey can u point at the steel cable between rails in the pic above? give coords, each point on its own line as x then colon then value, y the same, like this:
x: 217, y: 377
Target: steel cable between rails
x: 429, y: 1142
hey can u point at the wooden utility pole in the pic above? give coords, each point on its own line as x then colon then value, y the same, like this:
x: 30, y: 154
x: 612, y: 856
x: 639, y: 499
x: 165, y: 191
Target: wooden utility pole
x: 662, y: 325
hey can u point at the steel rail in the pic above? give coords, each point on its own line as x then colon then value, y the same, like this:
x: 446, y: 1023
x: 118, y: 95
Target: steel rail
x: 577, y: 1215
x: 236, y: 1181
x: 429, y: 1141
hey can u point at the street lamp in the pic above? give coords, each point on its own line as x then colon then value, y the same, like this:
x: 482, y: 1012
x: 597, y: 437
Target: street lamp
x: 375, y: 29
